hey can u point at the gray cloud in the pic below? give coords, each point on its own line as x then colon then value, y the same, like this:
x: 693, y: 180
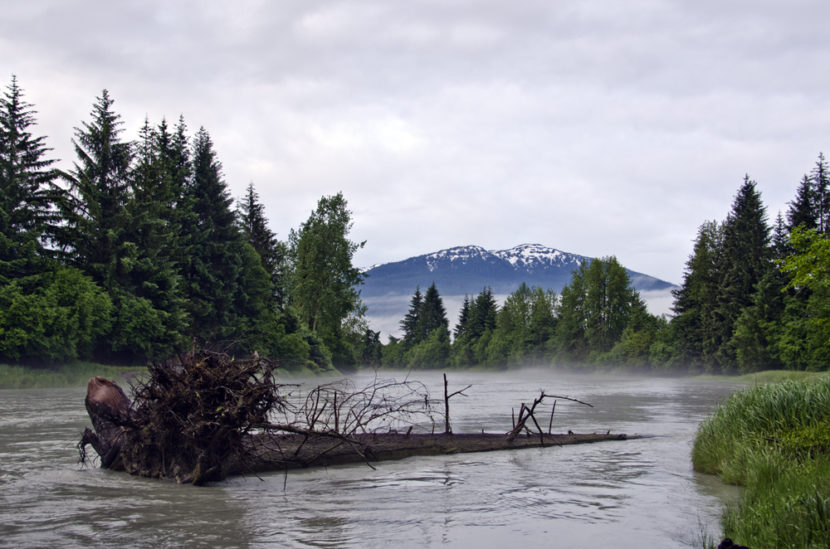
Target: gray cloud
x: 599, y: 127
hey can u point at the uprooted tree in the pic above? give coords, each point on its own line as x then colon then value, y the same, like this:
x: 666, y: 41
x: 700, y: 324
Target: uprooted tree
x: 192, y: 417
x: 206, y: 416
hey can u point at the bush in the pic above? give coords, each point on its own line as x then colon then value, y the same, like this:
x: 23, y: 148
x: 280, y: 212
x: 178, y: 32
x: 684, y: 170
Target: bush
x: 53, y: 316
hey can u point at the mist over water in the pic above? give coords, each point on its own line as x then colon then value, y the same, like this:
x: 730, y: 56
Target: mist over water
x: 613, y: 494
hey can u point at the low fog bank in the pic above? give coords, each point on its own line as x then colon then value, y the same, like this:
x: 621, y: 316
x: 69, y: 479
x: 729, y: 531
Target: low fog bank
x: 385, y: 313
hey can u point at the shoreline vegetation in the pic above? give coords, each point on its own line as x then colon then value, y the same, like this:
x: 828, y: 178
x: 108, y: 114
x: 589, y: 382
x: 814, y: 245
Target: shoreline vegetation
x: 78, y: 374
x: 774, y: 440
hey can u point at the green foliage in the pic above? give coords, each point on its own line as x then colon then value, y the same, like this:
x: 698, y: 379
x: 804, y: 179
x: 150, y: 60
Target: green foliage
x: 410, y: 324
x: 802, y: 211
x: 160, y: 258
x: 371, y: 350
x: 695, y: 304
x: 213, y: 264
x: 392, y: 354
x: 272, y: 252
x: 747, y: 259
x: 426, y: 335
x: 53, y: 316
x: 324, y: 279
x: 525, y: 325
x: 774, y: 440
x: 596, y: 307
x: 803, y: 340
x: 432, y: 316
x: 728, y: 296
x: 756, y: 327
x: 475, y: 330
x: 432, y: 352
x: 139, y: 328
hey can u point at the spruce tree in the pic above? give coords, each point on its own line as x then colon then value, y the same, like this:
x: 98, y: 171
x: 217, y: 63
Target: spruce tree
x: 820, y: 179
x: 432, y: 315
x: 151, y: 319
x: 461, y: 327
x: 747, y: 259
x: 410, y: 323
x: 271, y: 251
x: 780, y: 239
x: 213, y: 266
x: 98, y: 185
x: 801, y: 212
x: 483, y: 313
x: 27, y: 191
x: 696, y: 301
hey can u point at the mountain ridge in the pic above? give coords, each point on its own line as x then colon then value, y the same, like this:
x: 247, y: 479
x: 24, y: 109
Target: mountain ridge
x: 467, y: 269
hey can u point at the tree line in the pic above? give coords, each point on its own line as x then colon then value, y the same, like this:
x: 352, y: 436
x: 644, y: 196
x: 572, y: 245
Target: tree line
x: 753, y: 297
x: 137, y: 252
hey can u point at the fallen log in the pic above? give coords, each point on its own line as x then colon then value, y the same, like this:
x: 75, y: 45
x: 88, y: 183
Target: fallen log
x: 293, y: 451
x: 209, y: 416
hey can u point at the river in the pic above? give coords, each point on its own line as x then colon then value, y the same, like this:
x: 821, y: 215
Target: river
x: 635, y: 493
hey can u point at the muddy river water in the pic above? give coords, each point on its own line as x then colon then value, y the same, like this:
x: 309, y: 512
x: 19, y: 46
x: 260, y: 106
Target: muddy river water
x: 636, y: 493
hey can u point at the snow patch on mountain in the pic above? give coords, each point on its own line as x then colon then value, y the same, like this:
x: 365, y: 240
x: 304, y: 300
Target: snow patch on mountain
x: 530, y: 256
x: 458, y: 253
x: 524, y: 257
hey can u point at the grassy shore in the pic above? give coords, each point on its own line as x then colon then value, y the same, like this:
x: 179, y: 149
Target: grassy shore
x: 767, y: 376
x: 65, y: 375
x: 774, y: 439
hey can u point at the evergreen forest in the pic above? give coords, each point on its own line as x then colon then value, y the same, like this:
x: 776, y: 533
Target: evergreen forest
x: 138, y: 252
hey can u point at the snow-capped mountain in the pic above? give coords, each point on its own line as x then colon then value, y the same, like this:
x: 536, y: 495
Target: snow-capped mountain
x: 468, y: 269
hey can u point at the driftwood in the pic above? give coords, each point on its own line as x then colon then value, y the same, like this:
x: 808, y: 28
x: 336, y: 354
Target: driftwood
x: 279, y: 452
x: 207, y: 416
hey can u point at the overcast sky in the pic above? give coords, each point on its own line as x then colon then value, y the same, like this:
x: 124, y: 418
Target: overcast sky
x: 599, y: 127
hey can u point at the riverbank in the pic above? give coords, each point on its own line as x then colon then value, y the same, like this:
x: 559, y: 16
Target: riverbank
x: 774, y: 440
x: 65, y: 375
x: 77, y: 374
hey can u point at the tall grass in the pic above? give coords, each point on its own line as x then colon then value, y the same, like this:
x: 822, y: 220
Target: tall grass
x: 66, y: 375
x: 775, y: 440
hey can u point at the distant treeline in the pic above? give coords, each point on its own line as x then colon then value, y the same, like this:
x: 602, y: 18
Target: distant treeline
x: 753, y: 297
x: 136, y: 253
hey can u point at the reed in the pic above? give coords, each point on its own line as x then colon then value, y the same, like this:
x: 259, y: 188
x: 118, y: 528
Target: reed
x: 774, y: 440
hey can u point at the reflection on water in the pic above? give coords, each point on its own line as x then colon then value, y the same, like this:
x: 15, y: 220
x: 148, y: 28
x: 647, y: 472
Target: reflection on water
x: 613, y: 494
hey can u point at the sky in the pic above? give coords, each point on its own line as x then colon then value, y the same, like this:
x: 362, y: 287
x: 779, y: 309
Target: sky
x: 598, y: 127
